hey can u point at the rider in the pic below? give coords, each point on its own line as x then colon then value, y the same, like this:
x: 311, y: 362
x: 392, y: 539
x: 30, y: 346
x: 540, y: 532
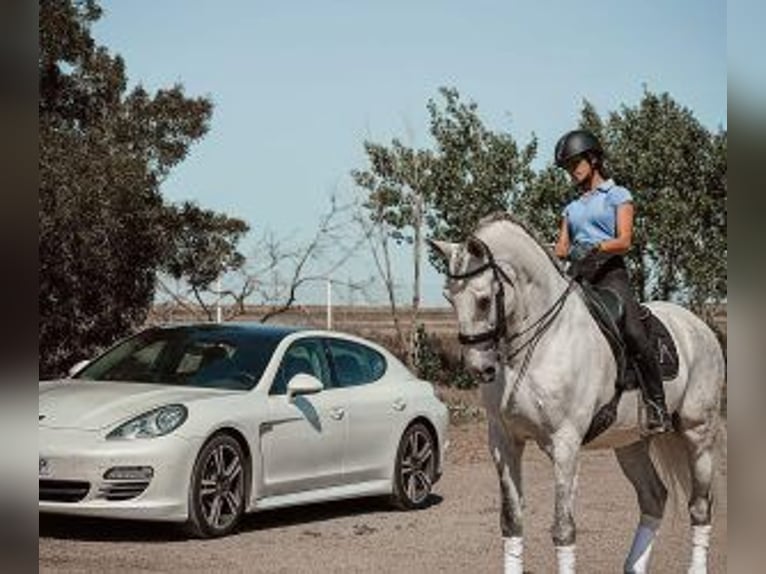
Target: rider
x: 596, y: 231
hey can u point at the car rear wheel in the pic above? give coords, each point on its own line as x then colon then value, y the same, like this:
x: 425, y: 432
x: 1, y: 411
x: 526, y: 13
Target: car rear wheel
x: 415, y: 468
x: 217, y: 492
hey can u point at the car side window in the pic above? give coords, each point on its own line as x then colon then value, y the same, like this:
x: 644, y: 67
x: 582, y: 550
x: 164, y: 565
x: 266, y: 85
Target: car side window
x: 304, y: 356
x: 209, y: 363
x: 355, y: 364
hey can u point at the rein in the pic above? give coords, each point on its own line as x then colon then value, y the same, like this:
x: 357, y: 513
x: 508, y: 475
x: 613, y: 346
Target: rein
x: 499, y: 331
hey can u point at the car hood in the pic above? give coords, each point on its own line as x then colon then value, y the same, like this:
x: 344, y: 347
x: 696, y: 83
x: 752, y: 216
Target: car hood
x: 93, y: 405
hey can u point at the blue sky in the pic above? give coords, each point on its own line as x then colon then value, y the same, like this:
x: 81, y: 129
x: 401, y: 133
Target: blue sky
x: 298, y: 86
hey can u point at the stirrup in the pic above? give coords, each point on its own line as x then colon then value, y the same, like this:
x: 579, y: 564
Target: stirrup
x: 657, y: 419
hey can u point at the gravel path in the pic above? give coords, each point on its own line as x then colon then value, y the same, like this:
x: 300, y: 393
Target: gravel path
x: 459, y: 532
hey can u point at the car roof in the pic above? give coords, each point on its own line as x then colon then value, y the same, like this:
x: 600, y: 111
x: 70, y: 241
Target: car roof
x: 261, y: 329
x: 277, y: 332
x: 270, y: 331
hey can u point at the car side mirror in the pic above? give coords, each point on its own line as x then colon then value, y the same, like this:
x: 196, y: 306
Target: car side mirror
x: 303, y: 384
x: 77, y: 367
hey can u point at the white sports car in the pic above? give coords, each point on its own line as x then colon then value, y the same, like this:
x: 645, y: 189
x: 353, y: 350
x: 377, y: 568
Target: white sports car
x: 201, y: 423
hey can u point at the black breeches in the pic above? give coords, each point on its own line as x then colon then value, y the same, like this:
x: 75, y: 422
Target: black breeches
x: 616, y: 278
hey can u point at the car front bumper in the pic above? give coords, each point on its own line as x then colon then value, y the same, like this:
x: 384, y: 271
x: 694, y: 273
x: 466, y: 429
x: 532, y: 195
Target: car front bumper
x: 73, y: 464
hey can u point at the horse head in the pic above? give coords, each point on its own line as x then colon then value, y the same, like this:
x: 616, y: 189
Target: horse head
x: 505, y: 287
x: 482, y: 292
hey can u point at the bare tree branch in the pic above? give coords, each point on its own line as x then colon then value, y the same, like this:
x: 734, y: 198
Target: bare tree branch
x: 377, y: 236
x: 278, y: 269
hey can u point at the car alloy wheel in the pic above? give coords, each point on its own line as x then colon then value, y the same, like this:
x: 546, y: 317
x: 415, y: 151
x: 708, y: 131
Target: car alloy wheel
x: 415, y: 468
x: 217, y: 496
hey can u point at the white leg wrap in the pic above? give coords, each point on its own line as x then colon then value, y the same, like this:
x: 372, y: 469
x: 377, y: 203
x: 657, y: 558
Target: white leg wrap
x: 512, y: 551
x: 700, y: 544
x: 565, y: 556
x: 637, y: 561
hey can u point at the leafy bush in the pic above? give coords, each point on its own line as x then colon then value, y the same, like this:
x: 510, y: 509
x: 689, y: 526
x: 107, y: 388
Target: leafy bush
x: 439, y: 362
x: 428, y: 364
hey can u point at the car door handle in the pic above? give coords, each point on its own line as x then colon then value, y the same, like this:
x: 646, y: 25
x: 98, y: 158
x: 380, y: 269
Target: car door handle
x: 399, y: 404
x: 337, y: 413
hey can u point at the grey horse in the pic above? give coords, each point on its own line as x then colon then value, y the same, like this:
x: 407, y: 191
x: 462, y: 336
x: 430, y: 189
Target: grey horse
x: 546, y: 370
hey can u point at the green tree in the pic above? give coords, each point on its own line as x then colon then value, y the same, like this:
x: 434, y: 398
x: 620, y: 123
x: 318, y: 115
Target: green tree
x: 398, y: 185
x: 677, y: 170
x: 469, y: 172
x: 104, y: 152
x: 201, y: 247
x: 543, y: 200
x: 477, y: 171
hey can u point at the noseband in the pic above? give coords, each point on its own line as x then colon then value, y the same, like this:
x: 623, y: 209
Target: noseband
x: 500, y: 329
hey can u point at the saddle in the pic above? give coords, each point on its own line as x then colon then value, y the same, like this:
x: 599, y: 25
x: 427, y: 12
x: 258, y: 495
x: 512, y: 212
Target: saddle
x: 607, y: 308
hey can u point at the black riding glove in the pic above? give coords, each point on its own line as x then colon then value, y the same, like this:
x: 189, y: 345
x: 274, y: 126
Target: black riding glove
x: 587, y: 262
x: 580, y: 251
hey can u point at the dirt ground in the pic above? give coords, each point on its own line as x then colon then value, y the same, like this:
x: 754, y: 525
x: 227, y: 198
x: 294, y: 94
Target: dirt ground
x: 458, y: 532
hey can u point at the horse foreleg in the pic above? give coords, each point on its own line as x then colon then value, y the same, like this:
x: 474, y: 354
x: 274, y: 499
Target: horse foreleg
x: 637, y: 465
x: 563, y: 452
x: 506, y: 453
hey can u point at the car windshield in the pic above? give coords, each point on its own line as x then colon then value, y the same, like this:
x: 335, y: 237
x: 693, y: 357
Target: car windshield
x: 212, y: 357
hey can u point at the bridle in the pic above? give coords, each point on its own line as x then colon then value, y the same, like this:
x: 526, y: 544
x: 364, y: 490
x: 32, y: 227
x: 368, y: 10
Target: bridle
x: 499, y: 331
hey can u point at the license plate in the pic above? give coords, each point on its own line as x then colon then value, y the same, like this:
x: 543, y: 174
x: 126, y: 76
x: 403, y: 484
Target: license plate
x: 45, y: 467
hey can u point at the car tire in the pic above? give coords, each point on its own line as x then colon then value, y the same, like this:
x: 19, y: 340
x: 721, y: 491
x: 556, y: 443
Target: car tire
x: 218, y: 488
x: 415, y: 468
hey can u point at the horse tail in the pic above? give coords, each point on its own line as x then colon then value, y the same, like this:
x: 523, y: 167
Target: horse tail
x: 670, y: 453
x: 671, y: 459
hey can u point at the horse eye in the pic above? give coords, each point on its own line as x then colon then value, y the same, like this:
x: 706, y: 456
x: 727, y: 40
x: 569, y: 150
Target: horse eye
x: 483, y: 303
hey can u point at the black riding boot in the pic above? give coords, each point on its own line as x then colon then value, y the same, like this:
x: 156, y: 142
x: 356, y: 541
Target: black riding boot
x: 613, y: 274
x: 657, y: 418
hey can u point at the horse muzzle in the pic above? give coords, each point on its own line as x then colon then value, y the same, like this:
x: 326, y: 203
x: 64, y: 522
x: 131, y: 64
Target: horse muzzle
x: 483, y: 365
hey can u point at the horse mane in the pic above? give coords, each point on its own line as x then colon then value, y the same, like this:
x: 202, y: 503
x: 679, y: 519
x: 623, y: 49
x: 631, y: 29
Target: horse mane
x: 526, y: 227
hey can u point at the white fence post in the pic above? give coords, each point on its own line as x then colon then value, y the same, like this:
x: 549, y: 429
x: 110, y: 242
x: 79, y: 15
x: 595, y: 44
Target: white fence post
x: 218, y: 300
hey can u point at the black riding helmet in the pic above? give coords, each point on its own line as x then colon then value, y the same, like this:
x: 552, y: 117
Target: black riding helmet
x: 574, y: 143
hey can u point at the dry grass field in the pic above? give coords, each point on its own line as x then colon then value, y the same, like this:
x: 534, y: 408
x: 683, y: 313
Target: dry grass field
x: 363, y: 320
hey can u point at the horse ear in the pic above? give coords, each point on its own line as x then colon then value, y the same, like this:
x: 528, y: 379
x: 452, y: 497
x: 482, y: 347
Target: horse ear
x: 443, y: 249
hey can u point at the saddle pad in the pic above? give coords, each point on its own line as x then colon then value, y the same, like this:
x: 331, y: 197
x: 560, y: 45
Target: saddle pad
x: 663, y: 344
x: 667, y: 356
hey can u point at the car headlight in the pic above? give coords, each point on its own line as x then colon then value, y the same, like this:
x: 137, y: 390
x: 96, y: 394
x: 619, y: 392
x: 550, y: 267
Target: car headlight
x: 157, y: 422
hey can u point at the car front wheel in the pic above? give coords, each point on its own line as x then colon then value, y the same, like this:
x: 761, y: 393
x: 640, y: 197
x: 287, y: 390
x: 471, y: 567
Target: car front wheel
x: 217, y: 493
x: 415, y: 468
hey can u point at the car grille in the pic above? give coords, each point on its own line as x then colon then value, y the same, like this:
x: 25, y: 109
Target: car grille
x: 123, y: 489
x: 63, y: 490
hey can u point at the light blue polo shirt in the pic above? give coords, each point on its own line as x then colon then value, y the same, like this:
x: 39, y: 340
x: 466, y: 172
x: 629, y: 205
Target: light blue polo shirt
x: 592, y: 217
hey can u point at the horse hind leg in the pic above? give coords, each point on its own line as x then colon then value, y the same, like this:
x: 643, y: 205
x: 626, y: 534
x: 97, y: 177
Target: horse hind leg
x: 700, y: 444
x: 652, y: 495
x: 687, y: 458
